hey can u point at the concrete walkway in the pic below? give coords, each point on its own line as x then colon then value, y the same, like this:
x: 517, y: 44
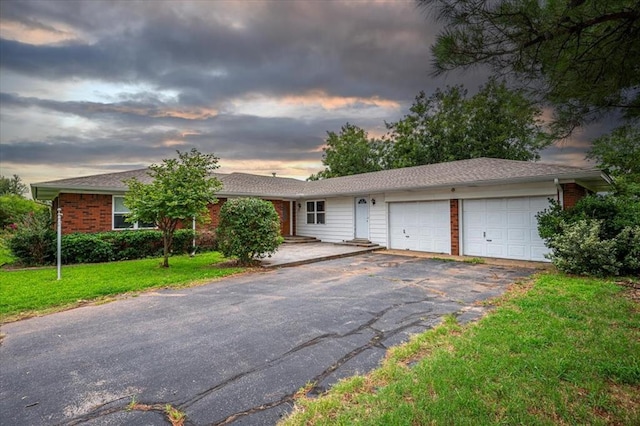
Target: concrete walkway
x: 300, y: 254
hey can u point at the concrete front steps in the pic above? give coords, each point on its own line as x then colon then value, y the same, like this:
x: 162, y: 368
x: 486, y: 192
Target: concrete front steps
x: 357, y: 242
x: 298, y: 239
x: 360, y: 242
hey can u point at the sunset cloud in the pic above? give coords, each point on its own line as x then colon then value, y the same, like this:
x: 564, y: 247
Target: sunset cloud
x: 93, y: 86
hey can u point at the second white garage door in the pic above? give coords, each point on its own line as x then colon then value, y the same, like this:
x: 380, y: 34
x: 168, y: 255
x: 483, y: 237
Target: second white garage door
x: 503, y: 227
x: 421, y: 226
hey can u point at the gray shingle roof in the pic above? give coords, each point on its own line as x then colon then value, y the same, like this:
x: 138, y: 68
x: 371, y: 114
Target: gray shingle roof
x: 477, y: 171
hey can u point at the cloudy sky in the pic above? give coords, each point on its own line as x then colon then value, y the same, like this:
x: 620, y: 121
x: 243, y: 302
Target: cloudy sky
x: 90, y: 87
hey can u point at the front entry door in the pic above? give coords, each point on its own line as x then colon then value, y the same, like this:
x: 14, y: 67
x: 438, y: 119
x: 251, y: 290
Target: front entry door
x: 285, y: 225
x: 362, y: 217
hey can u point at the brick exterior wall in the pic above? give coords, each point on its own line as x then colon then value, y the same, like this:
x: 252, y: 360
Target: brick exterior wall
x: 84, y: 212
x: 214, y: 215
x: 455, y: 227
x: 94, y: 213
x: 571, y: 193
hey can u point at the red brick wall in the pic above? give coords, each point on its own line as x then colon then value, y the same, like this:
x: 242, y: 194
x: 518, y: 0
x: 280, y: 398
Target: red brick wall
x: 84, y: 212
x: 572, y: 192
x: 93, y: 213
x: 455, y: 227
x: 214, y: 215
x: 214, y: 212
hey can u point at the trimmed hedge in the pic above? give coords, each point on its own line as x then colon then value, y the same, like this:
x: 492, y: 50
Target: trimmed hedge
x: 106, y: 246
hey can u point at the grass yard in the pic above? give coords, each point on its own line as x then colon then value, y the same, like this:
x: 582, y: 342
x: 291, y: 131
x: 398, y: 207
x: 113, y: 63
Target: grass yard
x: 567, y: 351
x: 29, y: 292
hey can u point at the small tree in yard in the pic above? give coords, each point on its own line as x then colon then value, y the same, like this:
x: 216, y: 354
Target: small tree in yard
x: 181, y: 189
x: 249, y: 228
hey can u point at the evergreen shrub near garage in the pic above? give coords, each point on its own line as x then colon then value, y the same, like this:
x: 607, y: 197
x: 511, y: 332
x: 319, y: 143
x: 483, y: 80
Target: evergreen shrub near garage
x: 37, y: 246
x: 599, y: 236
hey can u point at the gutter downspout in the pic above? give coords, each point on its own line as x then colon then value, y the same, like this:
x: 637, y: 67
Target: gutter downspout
x: 560, y: 192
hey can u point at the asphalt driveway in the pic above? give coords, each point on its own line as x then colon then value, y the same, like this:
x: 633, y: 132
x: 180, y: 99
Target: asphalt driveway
x: 233, y: 351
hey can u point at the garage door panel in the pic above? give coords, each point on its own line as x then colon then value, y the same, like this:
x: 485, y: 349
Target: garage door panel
x: 538, y: 253
x: 422, y: 226
x: 495, y: 204
x: 518, y: 219
x: 475, y: 249
x: 518, y: 204
x: 517, y: 251
x: 496, y: 218
x: 494, y: 250
x: 495, y: 234
x: 505, y: 228
x: 518, y: 235
x: 538, y: 204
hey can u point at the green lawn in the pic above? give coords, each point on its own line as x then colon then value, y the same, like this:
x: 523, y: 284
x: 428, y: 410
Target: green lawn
x: 567, y: 351
x: 29, y: 292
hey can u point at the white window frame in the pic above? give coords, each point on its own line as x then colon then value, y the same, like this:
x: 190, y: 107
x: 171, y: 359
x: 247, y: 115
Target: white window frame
x: 135, y: 225
x: 314, y: 214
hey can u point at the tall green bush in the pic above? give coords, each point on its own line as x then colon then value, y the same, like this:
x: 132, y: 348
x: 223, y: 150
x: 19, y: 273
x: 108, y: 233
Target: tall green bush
x: 579, y: 249
x: 34, y: 241
x: 249, y: 229
x: 600, y: 235
x: 14, y: 209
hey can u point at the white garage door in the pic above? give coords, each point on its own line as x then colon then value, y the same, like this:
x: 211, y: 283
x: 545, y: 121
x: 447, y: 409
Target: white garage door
x: 503, y: 227
x: 421, y: 226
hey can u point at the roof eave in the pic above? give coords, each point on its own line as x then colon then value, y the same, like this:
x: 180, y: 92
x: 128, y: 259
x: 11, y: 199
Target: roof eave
x: 594, y: 179
x: 49, y: 192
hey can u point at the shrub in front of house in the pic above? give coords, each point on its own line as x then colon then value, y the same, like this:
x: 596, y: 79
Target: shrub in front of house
x: 206, y: 241
x: 249, y: 229
x: 599, y: 236
x: 138, y: 244
x: 14, y: 210
x: 34, y: 241
x: 36, y: 245
x: 85, y: 248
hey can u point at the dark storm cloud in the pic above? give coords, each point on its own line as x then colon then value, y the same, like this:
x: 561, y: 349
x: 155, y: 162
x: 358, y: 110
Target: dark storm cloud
x: 149, y: 111
x: 231, y: 137
x: 354, y: 50
x: 187, y: 71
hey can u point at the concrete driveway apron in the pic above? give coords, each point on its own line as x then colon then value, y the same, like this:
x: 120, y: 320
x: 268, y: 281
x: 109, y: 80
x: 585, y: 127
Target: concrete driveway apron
x: 233, y: 351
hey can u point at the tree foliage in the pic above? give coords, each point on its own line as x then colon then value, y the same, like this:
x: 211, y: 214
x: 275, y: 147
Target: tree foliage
x: 34, y: 242
x: 496, y: 122
x: 618, y: 154
x: 578, y: 55
x: 350, y: 152
x: 249, y: 228
x: 12, y: 185
x: 181, y: 190
x: 448, y: 125
x: 14, y: 209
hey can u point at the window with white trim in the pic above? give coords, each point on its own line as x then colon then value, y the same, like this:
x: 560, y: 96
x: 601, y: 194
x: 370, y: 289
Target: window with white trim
x: 120, y: 212
x: 315, y: 212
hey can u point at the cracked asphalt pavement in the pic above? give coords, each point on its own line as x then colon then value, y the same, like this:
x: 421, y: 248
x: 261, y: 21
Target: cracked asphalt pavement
x: 233, y: 351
